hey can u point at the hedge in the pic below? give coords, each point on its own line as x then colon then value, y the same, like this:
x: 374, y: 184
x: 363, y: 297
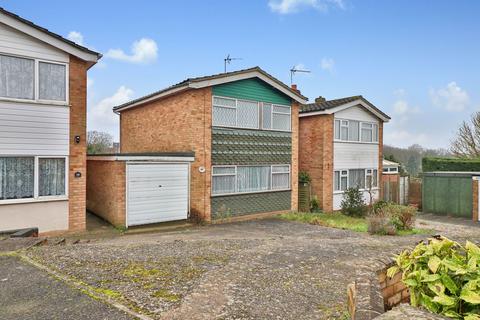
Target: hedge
x: 431, y: 164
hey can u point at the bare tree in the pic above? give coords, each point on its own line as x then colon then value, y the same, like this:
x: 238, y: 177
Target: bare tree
x: 99, y: 142
x: 467, y: 141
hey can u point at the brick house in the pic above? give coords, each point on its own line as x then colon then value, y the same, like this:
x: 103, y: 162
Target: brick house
x: 238, y: 131
x: 341, y: 144
x: 43, y: 127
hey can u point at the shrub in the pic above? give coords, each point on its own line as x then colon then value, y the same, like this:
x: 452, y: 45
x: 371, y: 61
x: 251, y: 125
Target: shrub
x: 314, y: 205
x: 304, y: 177
x: 353, y: 203
x: 380, y: 223
x: 379, y: 205
x: 388, y: 218
x: 430, y: 164
x: 403, y: 216
x: 443, y: 277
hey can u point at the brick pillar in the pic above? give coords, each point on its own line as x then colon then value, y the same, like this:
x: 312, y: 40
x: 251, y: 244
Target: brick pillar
x: 78, y: 151
x: 475, y: 208
x: 295, y: 160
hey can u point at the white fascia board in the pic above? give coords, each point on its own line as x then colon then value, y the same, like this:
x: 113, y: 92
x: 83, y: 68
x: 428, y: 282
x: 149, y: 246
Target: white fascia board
x: 152, y: 98
x: 45, y: 37
x: 141, y: 158
x: 346, y: 106
x: 248, y: 75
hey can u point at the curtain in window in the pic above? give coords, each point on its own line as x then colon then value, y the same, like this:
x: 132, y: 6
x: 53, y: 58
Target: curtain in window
x: 253, y: 178
x: 267, y: 116
x: 17, y: 77
x: 16, y: 177
x: 281, y: 118
x: 344, y: 130
x: 280, y: 177
x: 356, y: 178
x: 375, y: 132
x: 375, y: 178
x: 366, y: 132
x: 337, y: 129
x: 51, y: 177
x: 353, y: 130
x: 51, y: 81
x: 336, y: 181
x: 247, y: 114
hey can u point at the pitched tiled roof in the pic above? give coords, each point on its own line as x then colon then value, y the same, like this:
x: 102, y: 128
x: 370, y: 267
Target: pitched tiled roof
x: 329, y: 104
x: 31, y: 24
x: 188, y: 81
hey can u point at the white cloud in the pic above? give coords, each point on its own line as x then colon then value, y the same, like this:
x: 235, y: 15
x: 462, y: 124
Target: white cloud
x: 404, y: 138
x: 101, y: 116
x: 143, y: 51
x: 451, y: 98
x: 327, y: 64
x: 293, y: 6
x: 76, y: 37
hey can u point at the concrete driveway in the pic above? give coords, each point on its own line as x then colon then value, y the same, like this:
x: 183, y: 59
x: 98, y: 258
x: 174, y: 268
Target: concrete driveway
x: 266, y: 269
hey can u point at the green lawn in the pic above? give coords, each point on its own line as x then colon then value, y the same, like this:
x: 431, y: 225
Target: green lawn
x: 341, y: 221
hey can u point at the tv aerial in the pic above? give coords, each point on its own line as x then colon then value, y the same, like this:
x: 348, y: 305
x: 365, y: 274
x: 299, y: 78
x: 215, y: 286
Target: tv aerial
x: 294, y: 70
x: 228, y: 60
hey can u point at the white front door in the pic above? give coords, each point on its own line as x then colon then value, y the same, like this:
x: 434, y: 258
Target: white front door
x: 157, y: 192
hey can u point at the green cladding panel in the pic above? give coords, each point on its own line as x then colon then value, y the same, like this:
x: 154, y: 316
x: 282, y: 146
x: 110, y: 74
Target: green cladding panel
x: 251, y: 89
x: 450, y: 195
x: 250, y: 147
x: 242, y: 204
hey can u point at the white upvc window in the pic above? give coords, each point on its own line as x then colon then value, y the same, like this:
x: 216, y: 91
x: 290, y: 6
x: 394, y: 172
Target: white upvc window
x: 30, y: 178
x: 240, y: 113
x: 362, y: 179
x: 232, y: 179
x: 33, y: 80
x: 355, y: 131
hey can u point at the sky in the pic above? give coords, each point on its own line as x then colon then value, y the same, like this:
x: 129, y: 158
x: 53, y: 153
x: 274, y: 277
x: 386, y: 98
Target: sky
x: 418, y: 61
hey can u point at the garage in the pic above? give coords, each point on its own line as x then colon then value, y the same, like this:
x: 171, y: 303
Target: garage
x: 157, y: 192
x: 137, y: 189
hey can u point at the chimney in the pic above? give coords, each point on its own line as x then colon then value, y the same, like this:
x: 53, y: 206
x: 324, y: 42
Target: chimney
x: 294, y: 88
x: 320, y: 99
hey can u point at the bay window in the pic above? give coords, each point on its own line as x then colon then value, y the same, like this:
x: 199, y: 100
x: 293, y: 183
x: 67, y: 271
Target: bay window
x: 355, y: 131
x: 32, y: 79
x: 32, y: 177
x: 238, y: 113
x: 244, y: 179
x: 355, y: 178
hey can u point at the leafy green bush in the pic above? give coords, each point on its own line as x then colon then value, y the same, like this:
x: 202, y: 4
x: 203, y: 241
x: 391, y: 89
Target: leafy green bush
x: 379, y: 205
x: 353, y: 203
x: 388, y: 218
x: 403, y: 217
x: 430, y: 164
x: 315, y: 205
x: 443, y: 277
x: 304, y: 177
x: 380, y: 222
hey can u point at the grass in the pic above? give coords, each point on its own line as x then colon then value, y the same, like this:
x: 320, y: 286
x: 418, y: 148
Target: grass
x: 341, y: 221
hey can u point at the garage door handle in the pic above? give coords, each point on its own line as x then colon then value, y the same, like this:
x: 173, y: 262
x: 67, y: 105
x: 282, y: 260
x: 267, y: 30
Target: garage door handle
x: 160, y: 186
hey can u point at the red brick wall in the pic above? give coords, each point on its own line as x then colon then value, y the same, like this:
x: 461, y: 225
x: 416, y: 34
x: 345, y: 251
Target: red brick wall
x: 475, y: 200
x: 316, y: 156
x: 295, y: 155
x: 106, y: 190
x: 78, y: 151
x: 181, y: 122
x: 393, y: 289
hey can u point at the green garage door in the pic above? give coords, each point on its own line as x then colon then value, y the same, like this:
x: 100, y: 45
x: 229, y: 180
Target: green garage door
x: 448, y: 193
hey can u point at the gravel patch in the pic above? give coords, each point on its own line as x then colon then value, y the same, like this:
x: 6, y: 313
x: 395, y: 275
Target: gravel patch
x: 267, y: 269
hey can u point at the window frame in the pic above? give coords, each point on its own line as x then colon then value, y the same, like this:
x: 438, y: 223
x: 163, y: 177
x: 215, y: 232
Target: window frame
x: 347, y: 175
x: 340, y: 121
x: 36, y: 83
x: 36, y: 171
x: 259, y: 112
x: 236, y: 192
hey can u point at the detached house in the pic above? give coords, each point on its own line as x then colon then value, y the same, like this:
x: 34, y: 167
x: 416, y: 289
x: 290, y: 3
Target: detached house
x: 42, y: 127
x: 215, y: 146
x: 341, y: 146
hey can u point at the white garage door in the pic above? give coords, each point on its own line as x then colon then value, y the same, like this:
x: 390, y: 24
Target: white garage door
x: 156, y: 193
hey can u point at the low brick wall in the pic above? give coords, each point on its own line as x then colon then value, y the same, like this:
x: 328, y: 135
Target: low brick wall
x: 394, y: 291
x: 106, y: 190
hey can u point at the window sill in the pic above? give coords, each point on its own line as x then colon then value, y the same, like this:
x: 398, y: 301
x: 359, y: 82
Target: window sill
x: 33, y: 200
x: 39, y: 102
x: 252, y: 192
x: 363, y: 190
x: 355, y: 142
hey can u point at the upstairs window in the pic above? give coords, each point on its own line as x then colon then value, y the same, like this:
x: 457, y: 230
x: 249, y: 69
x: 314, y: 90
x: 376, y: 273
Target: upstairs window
x: 17, y: 77
x: 31, y: 79
x: 238, y: 113
x: 355, y: 131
